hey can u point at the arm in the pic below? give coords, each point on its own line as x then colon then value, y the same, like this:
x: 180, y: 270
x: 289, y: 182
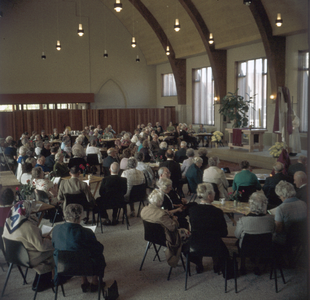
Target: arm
x: 169, y: 222
x: 224, y: 180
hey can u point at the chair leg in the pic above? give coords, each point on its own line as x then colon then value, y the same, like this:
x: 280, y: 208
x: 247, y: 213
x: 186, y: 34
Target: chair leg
x: 63, y: 291
x: 7, y: 278
x: 55, y: 215
x: 275, y: 278
x: 169, y: 273
x: 186, y: 270
x: 235, y: 270
x: 56, y: 291
x: 24, y: 276
x: 99, y: 287
x: 35, y: 294
x: 157, y: 252
x: 225, y: 275
x: 182, y: 262
x: 146, y: 250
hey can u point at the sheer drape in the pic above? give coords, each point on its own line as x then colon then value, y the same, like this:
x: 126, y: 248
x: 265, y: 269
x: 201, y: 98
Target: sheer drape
x: 169, y: 87
x: 303, y: 90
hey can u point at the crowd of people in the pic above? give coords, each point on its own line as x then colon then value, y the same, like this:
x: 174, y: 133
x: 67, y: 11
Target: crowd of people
x: 36, y: 159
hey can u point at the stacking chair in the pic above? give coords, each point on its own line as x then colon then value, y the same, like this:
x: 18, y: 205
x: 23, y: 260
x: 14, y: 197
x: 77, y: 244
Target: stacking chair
x: 260, y: 246
x: 92, y: 160
x: 138, y: 194
x: 248, y: 191
x: 208, y: 244
x: 216, y: 190
x: 16, y: 254
x: 154, y: 234
x: 73, y: 263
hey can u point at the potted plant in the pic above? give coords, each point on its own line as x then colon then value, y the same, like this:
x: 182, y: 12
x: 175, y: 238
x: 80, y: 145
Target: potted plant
x: 235, y: 107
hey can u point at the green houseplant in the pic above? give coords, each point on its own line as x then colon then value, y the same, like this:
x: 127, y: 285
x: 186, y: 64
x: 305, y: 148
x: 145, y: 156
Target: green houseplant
x: 235, y: 107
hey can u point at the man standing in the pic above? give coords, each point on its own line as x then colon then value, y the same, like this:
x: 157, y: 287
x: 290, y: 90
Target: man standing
x: 112, y: 191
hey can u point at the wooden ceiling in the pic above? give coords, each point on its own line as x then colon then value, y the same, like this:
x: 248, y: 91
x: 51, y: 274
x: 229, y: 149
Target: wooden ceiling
x: 230, y: 21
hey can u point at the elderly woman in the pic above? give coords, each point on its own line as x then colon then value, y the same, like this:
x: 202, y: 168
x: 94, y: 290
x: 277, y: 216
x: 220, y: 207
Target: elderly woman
x: 44, y: 184
x: 125, y: 141
x: 60, y: 168
x: 170, y: 127
x: 256, y: 222
x: 67, y: 146
x: 78, y: 158
x: 10, y: 150
x: 190, y: 153
x: 27, y: 173
x: 55, y: 135
x: 71, y: 236
x: 39, y: 147
x: 214, y: 174
x: 134, y: 177
x: 162, y: 151
x: 79, y: 149
x: 202, y: 152
x: 92, y: 149
x: 194, y: 174
x: 124, y: 161
x: 206, y: 218
x: 292, y: 210
x: 46, y: 150
x: 21, y: 160
x: 154, y: 214
x: 172, y: 203
x: 155, y: 144
x: 191, y: 130
x: 146, y: 169
x: 22, y: 225
x: 145, y: 150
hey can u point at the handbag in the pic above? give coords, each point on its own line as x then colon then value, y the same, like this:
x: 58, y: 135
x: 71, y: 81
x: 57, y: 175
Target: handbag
x: 112, y: 292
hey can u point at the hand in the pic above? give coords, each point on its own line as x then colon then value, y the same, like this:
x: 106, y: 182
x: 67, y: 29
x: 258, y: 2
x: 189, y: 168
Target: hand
x: 179, y: 209
x: 47, y: 236
x: 184, y: 201
x: 175, y: 218
x: 54, y: 190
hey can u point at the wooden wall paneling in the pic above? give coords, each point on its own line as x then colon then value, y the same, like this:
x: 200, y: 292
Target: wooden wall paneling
x: 7, y: 124
x: 84, y: 118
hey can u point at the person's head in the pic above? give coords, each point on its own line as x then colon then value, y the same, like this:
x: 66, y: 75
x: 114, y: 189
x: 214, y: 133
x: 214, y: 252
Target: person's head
x: 198, y: 161
x: 98, y: 126
x: 37, y: 173
x: 139, y: 156
x: 79, y: 140
x: 38, y: 137
x: 163, y: 145
x: 213, y: 161
x: 145, y: 144
x: 190, y: 152
x: 126, y: 137
x: 7, y: 197
x: 59, y: 157
x: 156, y: 198
x: 155, y: 137
x: 86, y: 128
x: 78, y: 152
x: 75, y: 171
x: 278, y: 167
x: 205, y: 192
x: 202, y: 151
x: 285, y: 190
x: 258, y: 203
x: 73, y: 213
x: 200, y: 126
x: 132, y: 163
x: 22, y: 150
x: 134, y: 139
x: 32, y: 161
x: 165, y: 185
x: 170, y: 124
x: 302, y: 159
x: 244, y: 165
x: 158, y: 129
x: 54, y: 149
x: 114, y: 168
x: 55, y: 130
x: 183, y: 144
x: 41, y: 160
x: 127, y: 153
x: 111, y: 152
x: 164, y: 172
x: 39, y: 144
x: 43, y: 132
x: 300, y: 178
x: 9, y: 140
x: 28, y: 167
x: 169, y: 154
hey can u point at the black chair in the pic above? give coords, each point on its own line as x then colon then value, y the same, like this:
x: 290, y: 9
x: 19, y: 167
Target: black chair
x: 138, y: 194
x: 247, y: 191
x: 16, y: 254
x: 154, y: 234
x: 207, y: 244
x: 260, y: 246
x: 216, y: 190
x: 106, y: 171
x: 1, y: 247
x: 92, y: 160
x: 74, y: 263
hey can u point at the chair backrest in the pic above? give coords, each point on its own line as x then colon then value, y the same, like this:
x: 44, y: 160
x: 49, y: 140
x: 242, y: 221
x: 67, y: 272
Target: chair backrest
x: 15, y: 253
x: 216, y: 190
x: 206, y: 244
x: 248, y: 191
x: 137, y: 193
x: 296, y: 233
x: 78, y: 199
x: 41, y: 196
x: 182, y: 158
x: 92, y: 159
x: 106, y: 171
x: 154, y: 233
x: 257, y: 245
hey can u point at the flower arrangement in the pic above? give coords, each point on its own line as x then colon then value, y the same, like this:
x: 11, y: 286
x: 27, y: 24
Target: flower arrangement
x: 159, y: 158
x: 26, y: 190
x: 276, y: 149
x: 83, y: 169
x: 217, y: 136
x: 235, y: 196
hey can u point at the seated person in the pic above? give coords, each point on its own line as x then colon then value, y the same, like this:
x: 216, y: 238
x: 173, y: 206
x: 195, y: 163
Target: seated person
x: 202, y: 152
x: 187, y: 162
x: 27, y: 173
x: 44, y: 184
x: 41, y: 163
x: 77, y: 149
x: 146, y: 151
x: 147, y: 170
x: 71, y: 236
x: 55, y: 135
x: 112, y: 191
x: 50, y: 160
x: 299, y: 166
x: 214, y: 174
x: 271, y: 182
x: 205, y: 218
x: 300, y: 180
x: 6, y: 201
x: 189, y: 139
x: 161, y: 154
x: 60, y: 168
x: 256, y: 222
x: 111, y: 158
x: 92, y: 149
x: 154, y: 214
x: 155, y: 144
x: 194, y: 174
x: 46, y: 151
x: 180, y: 155
x: 170, y: 127
x: 22, y: 225
x: 77, y: 159
x: 39, y: 147
x: 44, y: 137
x: 125, y: 157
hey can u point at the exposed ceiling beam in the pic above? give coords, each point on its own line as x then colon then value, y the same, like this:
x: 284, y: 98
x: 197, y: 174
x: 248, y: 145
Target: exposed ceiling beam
x: 178, y: 65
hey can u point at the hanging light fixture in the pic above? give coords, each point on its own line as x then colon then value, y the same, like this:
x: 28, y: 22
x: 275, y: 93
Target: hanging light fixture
x: 137, y: 59
x: 177, y: 26
x: 43, y: 56
x: 58, y: 46
x: 167, y: 50
x: 80, y: 31
x: 133, y: 42
x: 211, y: 40
x: 105, y: 54
x: 247, y: 2
x: 279, y: 20
x: 118, y: 6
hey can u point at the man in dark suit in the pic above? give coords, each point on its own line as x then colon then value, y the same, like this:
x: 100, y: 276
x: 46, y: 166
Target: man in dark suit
x: 111, y: 158
x: 173, y: 167
x: 50, y: 160
x: 180, y: 155
x: 270, y: 185
x: 300, y: 180
x: 112, y: 191
x: 299, y: 166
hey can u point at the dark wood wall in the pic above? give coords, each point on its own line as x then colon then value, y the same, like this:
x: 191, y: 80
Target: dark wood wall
x: 17, y: 122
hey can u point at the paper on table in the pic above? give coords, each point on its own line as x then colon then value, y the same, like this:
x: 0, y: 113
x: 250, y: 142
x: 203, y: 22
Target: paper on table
x: 46, y: 229
x: 93, y: 228
x: 87, y: 181
x: 56, y: 180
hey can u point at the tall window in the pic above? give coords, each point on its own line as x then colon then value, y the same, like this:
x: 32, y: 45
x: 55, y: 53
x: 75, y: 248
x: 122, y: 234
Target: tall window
x: 303, y: 77
x: 168, y: 85
x: 252, y: 82
x: 203, y: 96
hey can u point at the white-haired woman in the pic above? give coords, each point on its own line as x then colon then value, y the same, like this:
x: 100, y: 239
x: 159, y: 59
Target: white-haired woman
x: 125, y: 140
x: 154, y: 214
x: 78, y: 148
x: 194, y: 174
x: 60, y: 168
x: 256, y: 222
x: 162, y: 151
x: 21, y: 160
x: 202, y: 152
x: 190, y: 153
x: 214, y: 174
x: 77, y: 159
x: 206, y: 218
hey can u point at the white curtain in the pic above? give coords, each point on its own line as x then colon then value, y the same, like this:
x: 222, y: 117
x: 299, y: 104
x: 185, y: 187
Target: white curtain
x: 169, y: 87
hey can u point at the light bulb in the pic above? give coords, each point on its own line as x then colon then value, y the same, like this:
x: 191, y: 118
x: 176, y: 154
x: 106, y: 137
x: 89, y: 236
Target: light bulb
x: 133, y: 42
x: 105, y: 54
x: 279, y: 20
x: 167, y: 50
x: 211, y: 40
x: 118, y: 6
x: 80, y: 30
x: 58, y: 46
x: 177, y: 26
